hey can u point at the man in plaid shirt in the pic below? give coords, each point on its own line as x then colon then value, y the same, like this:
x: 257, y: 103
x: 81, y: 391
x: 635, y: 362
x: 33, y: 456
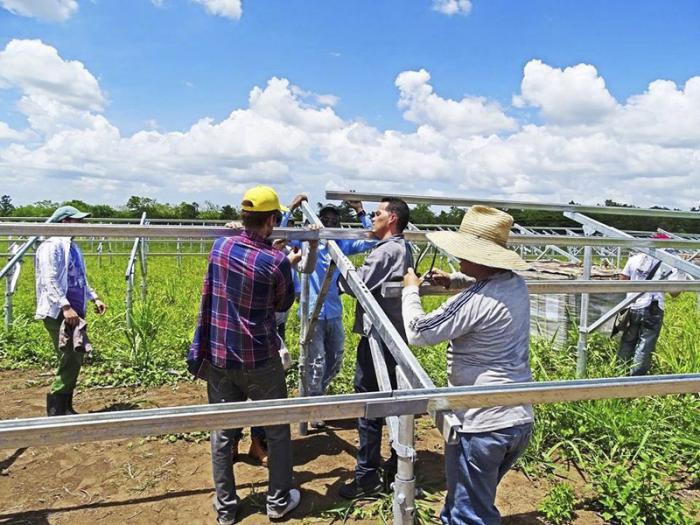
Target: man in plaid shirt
x: 236, y: 347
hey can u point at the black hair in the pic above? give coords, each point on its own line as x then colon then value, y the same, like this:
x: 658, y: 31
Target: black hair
x: 256, y: 219
x: 399, y: 208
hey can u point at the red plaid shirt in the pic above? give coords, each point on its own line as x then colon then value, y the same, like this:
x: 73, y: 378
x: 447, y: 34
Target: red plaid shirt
x: 247, y: 280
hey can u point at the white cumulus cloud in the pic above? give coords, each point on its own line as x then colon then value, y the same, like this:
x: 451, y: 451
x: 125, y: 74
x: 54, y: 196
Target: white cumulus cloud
x: 469, y: 116
x: 452, y: 7
x: 49, y: 10
x: 574, y: 95
x: 38, y: 71
x: 645, y: 150
x: 226, y: 8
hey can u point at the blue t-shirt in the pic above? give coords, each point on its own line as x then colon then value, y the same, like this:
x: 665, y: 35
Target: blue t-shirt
x: 332, y: 307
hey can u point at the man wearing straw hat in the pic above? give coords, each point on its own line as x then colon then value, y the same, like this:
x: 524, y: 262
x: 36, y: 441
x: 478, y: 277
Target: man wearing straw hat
x: 487, y: 326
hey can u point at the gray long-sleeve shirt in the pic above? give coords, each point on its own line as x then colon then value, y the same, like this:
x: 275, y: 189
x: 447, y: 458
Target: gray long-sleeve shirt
x: 488, y: 327
x: 388, y: 261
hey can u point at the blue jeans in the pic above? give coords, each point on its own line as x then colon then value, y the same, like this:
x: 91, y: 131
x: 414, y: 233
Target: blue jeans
x: 325, y: 354
x: 639, y: 339
x: 231, y: 385
x: 473, y: 467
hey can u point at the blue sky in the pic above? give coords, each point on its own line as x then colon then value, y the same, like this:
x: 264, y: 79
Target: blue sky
x: 163, y: 66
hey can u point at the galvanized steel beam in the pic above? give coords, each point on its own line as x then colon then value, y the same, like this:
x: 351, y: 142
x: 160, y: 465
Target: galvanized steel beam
x: 204, y: 232
x: 536, y: 286
x: 517, y: 205
x: 43, y: 431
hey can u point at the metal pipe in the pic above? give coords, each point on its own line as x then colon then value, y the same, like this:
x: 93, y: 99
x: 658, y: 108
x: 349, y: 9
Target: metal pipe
x: 518, y: 205
x: 303, y: 346
x: 173, y: 232
x: 43, y: 431
x: 20, y: 253
x: 581, y: 346
x: 319, y: 303
x: 537, y: 286
x: 661, y: 255
x: 405, y: 481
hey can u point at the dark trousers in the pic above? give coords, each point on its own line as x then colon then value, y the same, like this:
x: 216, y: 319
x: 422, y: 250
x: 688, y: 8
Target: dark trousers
x: 231, y: 385
x: 370, y: 430
x: 639, y: 339
x: 69, y: 361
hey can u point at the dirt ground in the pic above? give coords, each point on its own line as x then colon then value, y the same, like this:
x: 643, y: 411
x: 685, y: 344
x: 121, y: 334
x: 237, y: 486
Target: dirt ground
x: 168, y: 479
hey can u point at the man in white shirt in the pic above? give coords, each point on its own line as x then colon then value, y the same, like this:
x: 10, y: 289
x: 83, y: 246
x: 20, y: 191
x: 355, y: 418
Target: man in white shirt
x: 646, y: 313
x: 488, y: 329
x: 62, y: 294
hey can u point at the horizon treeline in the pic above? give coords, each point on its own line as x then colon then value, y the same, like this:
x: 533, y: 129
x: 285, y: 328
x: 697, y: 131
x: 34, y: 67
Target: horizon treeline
x: 420, y: 214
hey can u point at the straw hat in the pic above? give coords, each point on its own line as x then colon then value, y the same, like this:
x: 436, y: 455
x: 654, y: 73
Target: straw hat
x: 481, y: 239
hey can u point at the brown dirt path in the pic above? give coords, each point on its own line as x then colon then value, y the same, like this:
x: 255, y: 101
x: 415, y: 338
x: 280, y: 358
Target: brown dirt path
x: 168, y: 480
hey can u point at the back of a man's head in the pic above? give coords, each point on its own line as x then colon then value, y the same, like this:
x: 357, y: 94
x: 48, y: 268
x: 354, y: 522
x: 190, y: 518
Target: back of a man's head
x: 258, y: 205
x: 399, y: 208
x: 255, y: 220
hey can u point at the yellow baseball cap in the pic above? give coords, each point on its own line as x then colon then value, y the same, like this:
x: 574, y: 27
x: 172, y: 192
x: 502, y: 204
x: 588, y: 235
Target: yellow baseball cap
x: 262, y: 198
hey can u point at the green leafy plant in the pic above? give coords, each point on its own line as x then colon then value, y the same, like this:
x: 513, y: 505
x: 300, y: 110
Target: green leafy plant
x: 638, y: 490
x: 558, y: 506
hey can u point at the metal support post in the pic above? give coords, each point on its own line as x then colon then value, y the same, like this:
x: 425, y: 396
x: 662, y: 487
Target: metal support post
x: 144, y: 271
x: 8, y: 302
x: 313, y: 319
x: 10, y: 284
x: 405, y: 479
x: 129, y: 298
x: 178, y: 250
x: 581, y: 350
x: 303, y: 346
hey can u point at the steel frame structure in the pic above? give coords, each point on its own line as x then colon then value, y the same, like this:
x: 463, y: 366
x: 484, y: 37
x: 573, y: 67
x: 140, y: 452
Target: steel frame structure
x: 416, y: 392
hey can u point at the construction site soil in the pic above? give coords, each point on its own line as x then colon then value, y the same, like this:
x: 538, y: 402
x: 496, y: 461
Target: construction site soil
x: 167, y: 479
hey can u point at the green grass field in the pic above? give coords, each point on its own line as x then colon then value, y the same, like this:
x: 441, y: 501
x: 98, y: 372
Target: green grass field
x: 635, y: 455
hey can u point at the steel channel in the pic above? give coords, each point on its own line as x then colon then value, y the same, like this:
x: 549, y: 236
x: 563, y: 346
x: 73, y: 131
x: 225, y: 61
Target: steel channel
x: 446, y: 422
x: 536, y: 287
x: 581, y: 346
x: 661, y: 255
x: 518, y: 205
x: 203, y: 232
x: 17, y: 433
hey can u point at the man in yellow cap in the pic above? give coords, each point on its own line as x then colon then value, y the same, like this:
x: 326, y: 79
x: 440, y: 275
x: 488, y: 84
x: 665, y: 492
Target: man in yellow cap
x: 236, y: 347
x: 488, y: 327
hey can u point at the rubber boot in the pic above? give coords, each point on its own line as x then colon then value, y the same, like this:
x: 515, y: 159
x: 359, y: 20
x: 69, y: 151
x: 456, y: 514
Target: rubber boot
x: 69, y: 404
x: 258, y: 450
x: 56, y: 405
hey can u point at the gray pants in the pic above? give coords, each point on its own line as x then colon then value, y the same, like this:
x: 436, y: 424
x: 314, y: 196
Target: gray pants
x: 231, y: 385
x: 639, y: 339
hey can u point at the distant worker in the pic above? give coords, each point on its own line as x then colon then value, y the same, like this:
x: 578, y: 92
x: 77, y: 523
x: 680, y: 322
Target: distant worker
x: 388, y: 261
x: 646, y: 314
x: 325, y: 353
x: 236, y: 345
x: 62, y: 294
x: 488, y: 329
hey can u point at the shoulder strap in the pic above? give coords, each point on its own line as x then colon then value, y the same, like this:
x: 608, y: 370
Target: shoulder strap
x: 652, y: 272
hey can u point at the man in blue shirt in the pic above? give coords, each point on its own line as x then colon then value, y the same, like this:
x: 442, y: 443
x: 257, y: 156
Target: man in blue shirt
x: 325, y: 352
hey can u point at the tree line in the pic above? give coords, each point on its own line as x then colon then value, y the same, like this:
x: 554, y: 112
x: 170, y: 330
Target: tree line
x: 420, y: 214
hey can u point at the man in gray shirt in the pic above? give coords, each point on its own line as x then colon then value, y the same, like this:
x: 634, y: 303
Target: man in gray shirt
x: 388, y: 261
x: 488, y: 326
